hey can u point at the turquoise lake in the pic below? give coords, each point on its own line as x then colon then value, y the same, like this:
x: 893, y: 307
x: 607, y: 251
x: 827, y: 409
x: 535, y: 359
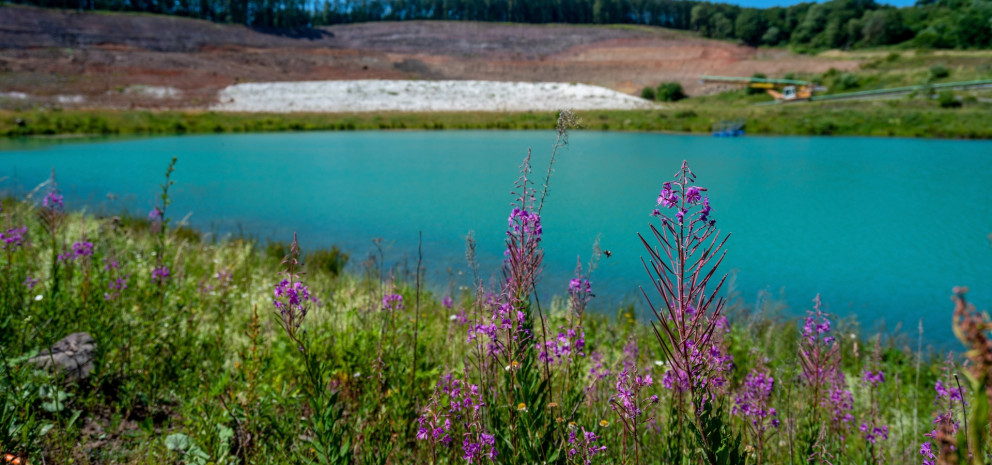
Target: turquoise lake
x: 881, y: 228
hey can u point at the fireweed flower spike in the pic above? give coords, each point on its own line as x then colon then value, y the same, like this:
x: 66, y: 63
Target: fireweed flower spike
x: 291, y: 298
x: 682, y: 260
x: 752, y: 403
x: 160, y: 275
x: 456, y: 409
x: 872, y: 429
x: 688, y: 320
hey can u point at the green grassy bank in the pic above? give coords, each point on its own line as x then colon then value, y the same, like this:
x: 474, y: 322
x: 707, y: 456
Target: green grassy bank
x: 897, y: 117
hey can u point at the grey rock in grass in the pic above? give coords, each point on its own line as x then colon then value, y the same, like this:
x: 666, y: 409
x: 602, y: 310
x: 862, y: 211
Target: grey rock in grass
x: 72, y: 356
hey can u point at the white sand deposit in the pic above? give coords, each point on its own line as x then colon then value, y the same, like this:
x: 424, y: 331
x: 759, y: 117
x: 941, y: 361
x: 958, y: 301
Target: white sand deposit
x: 420, y: 96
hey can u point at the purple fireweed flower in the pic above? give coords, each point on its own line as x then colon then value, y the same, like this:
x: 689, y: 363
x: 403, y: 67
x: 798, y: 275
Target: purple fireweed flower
x: 30, y: 282
x: 819, y: 355
x: 116, y: 286
x: 597, y: 371
x: 871, y: 432
x: 82, y: 249
x: 110, y: 263
x: 579, y: 285
x: 873, y: 378
x: 456, y: 409
x: 160, y: 275
x: 523, y: 255
x: 392, y: 302
x: 626, y: 402
x: 582, y: 446
x: 52, y: 201
x: 840, y: 404
x: 292, y: 300
x: 751, y: 403
x: 13, y: 238
x: 155, y: 214
x: 447, y: 302
x: 954, y: 394
x: 668, y: 198
x: 580, y: 292
x: 692, y: 195
x: 560, y: 349
x: 704, y: 213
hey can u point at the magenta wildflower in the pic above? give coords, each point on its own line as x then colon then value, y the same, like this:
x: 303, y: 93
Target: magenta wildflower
x: 155, y: 214
x: 840, y: 404
x: 291, y: 300
x: 873, y: 378
x: 30, y: 282
x: 116, y: 286
x: 751, y: 402
x: 447, y: 302
x: 52, y: 201
x: 692, y: 195
x: 455, y: 409
x: 560, y: 349
x: 582, y: 446
x: 872, y: 432
x: 160, y: 275
x: 954, y: 394
x: 668, y: 198
x: 82, y: 249
x: 392, y: 302
x: 819, y: 359
x: 13, y: 238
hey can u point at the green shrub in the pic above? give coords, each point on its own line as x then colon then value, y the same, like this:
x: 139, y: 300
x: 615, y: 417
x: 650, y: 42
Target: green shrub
x: 847, y: 81
x: 939, y: 72
x: 686, y: 114
x: 326, y: 261
x: 187, y: 234
x: 647, y: 93
x: 276, y: 250
x: 947, y: 99
x: 670, y: 92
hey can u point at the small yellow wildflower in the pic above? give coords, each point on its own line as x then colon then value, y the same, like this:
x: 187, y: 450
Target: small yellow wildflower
x: 604, y: 423
x: 522, y: 407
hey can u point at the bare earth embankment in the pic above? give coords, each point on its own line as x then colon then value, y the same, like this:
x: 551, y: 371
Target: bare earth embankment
x: 111, y: 60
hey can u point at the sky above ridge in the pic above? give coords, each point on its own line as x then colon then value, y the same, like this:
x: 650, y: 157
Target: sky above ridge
x: 770, y: 3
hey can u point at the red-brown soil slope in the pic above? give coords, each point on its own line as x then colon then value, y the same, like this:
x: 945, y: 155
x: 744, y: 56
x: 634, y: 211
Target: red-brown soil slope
x: 108, y: 59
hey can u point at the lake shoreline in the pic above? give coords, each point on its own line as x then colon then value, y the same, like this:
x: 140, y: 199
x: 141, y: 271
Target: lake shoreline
x: 895, y: 119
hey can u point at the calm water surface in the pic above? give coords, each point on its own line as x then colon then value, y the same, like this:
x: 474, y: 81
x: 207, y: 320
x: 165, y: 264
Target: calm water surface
x: 881, y: 228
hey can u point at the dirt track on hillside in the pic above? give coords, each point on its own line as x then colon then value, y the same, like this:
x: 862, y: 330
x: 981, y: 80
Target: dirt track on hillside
x: 130, y: 60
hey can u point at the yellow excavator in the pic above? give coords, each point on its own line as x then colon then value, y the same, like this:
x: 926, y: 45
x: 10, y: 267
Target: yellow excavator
x: 785, y: 90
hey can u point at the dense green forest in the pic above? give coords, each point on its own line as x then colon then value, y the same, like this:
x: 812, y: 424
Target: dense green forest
x: 804, y: 26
